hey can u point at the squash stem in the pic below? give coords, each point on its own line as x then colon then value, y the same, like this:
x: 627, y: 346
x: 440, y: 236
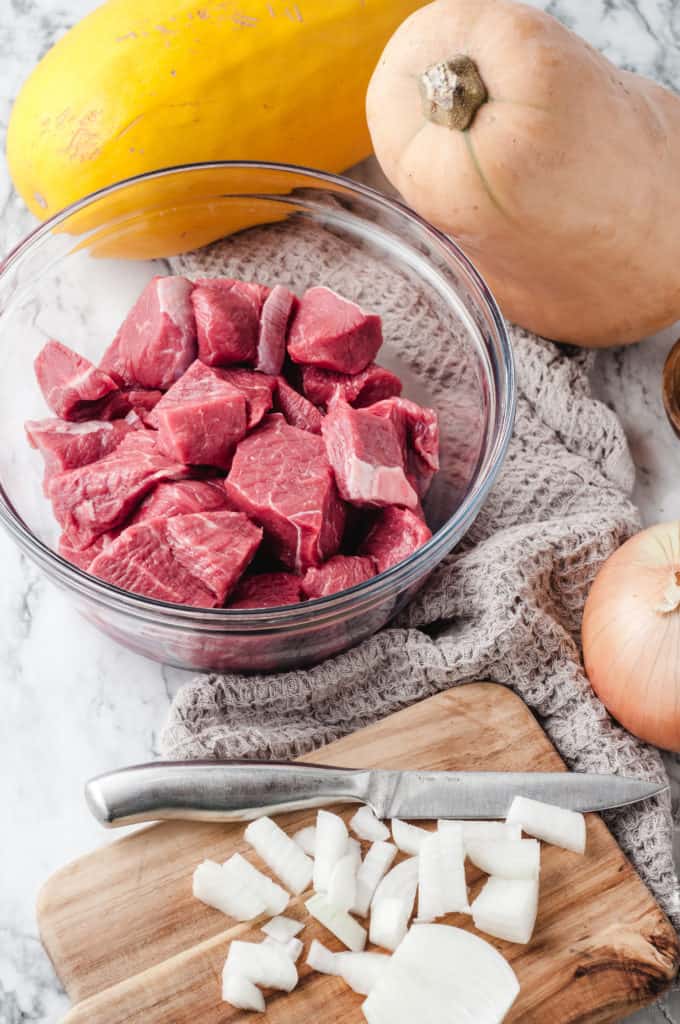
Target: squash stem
x: 452, y: 92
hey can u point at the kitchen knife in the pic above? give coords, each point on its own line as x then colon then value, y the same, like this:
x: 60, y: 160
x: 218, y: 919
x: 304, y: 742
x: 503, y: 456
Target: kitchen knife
x: 242, y: 790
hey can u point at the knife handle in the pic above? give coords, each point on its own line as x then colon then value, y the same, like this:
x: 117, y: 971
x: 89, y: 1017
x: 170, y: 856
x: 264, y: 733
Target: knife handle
x: 218, y: 790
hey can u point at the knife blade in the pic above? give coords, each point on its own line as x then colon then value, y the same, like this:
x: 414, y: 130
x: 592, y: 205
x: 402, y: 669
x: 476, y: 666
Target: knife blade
x: 243, y: 790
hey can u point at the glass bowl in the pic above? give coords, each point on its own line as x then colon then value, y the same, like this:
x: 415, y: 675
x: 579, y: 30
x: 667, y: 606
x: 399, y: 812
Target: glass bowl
x: 75, y: 277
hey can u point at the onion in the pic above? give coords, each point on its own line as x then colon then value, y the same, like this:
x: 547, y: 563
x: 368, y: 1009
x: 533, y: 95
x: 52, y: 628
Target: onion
x: 430, y: 879
x: 554, y: 825
x: 244, y: 876
x: 241, y: 993
x: 453, y: 863
x: 631, y: 635
x: 354, y: 851
x: 262, y: 964
x: 293, y: 947
x: 438, y: 974
x: 507, y: 908
x: 282, y: 928
x: 401, y: 881
x: 212, y: 886
x: 359, y: 970
x: 320, y: 959
x: 331, y: 845
x: 506, y: 858
x: 473, y: 830
x: 280, y: 853
x: 408, y: 837
x: 366, y: 825
x: 389, y: 921
x: 306, y: 839
x: 376, y: 863
x: 342, y: 888
x: 337, y: 921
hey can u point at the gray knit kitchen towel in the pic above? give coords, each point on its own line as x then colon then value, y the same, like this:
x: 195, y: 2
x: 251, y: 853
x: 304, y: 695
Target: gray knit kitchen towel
x: 507, y: 602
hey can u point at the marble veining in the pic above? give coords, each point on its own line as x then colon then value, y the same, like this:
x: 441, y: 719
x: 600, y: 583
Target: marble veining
x: 73, y: 703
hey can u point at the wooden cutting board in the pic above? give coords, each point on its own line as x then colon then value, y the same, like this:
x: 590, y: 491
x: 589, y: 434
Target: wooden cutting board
x: 131, y: 944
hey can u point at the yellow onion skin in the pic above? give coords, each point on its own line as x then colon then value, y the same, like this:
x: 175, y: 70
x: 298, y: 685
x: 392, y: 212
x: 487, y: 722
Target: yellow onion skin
x: 631, y: 635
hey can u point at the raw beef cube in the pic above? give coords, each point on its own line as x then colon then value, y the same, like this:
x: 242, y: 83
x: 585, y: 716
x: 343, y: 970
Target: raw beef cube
x: 142, y: 560
x: 73, y: 387
x: 333, y: 332
x: 359, y: 389
x: 271, y: 344
x: 201, y: 418
x: 267, y: 590
x: 338, y: 573
x: 216, y: 547
x: 179, y: 499
x: 227, y: 320
x: 297, y: 410
x: 113, y: 364
x: 92, y: 499
x: 418, y: 430
x: 367, y: 457
x: 258, y: 390
x: 84, y: 559
x: 157, y: 340
x: 281, y: 478
x: 121, y: 403
x: 65, y: 445
x: 396, y: 534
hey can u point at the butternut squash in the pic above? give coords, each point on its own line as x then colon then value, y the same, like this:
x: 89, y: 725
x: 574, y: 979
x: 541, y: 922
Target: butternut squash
x: 557, y: 172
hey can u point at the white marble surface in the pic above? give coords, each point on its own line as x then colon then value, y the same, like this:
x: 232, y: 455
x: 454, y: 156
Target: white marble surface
x: 72, y: 703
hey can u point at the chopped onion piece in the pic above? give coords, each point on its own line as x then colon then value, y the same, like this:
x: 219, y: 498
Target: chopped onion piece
x: 453, y: 863
x: 293, y: 947
x: 282, y: 928
x: 241, y: 993
x: 331, y: 845
x: 354, y: 851
x: 401, y: 881
x: 506, y: 858
x: 507, y: 908
x: 342, y: 888
x: 320, y: 958
x: 408, y: 837
x: 389, y: 921
x: 376, y: 864
x: 306, y: 839
x: 211, y: 885
x: 430, y: 879
x: 473, y: 830
x: 280, y: 854
x: 360, y: 971
x: 554, y: 825
x: 338, y: 922
x: 245, y: 876
x: 440, y: 973
x: 367, y: 826
x: 262, y: 963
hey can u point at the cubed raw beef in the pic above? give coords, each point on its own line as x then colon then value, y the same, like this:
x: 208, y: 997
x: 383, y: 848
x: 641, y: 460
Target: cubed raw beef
x: 418, y: 429
x: 201, y: 418
x: 332, y: 332
x: 95, y: 498
x: 181, y: 498
x: 297, y: 410
x: 258, y: 389
x: 338, y: 573
x: 84, y: 559
x: 396, y: 534
x: 367, y: 457
x: 281, y: 478
x: 121, y: 403
x: 271, y: 345
x: 142, y: 560
x: 73, y: 387
x: 157, y: 340
x: 359, y: 389
x: 215, y: 546
x: 228, y: 320
x: 266, y: 590
x: 65, y: 445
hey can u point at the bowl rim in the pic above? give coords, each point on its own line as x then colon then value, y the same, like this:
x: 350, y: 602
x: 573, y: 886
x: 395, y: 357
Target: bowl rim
x: 396, y: 578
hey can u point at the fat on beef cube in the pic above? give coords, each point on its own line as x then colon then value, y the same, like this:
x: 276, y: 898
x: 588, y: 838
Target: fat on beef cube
x: 367, y: 457
x: 201, y: 418
x: 143, y: 561
x: 157, y: 340
x: 274, y: 318
x: 72, y: 386
x: 217, y: 547
x: 338, y: 573
x: 418, y: 430
x: 266, y: 590
x: 65, y: 445
x: 258, y: 389
x: 396, y: 534
x: 227, y: 320
x: 297, y: 410
x: 332, y: 332
x: 359, y: 389
x: 95, y: 498
x: 122, y: 403
x: 281, y: 478
x: 181, y: 498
